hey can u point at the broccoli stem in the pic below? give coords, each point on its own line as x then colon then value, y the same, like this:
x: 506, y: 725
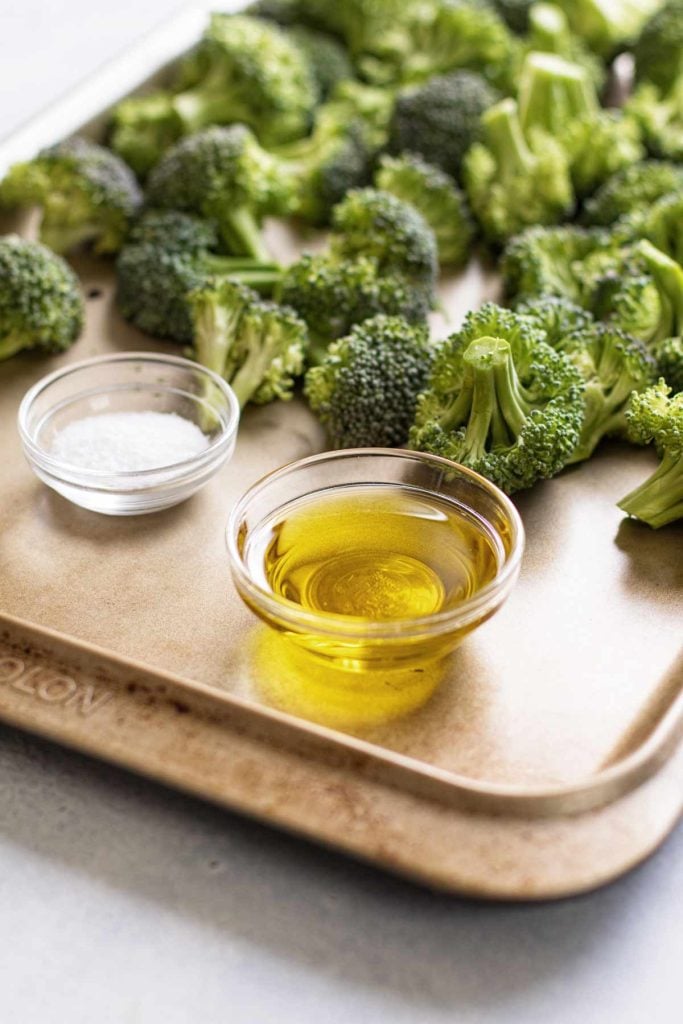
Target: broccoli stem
x: 659, y: 500
x: 506, y: 140
x: 498, y: 405
x: 215, y: 326
x: 262, y: 277
x: 668, y: 278
x: 552, y: 92
x: 13, y: 343
x: 259, y: 356
x: 242, y: 235
x: 548, y: 27
x: 208, y: 104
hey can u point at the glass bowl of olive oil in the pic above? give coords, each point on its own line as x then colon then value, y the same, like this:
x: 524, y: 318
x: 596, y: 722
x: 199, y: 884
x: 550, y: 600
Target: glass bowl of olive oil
x: 373, y: 561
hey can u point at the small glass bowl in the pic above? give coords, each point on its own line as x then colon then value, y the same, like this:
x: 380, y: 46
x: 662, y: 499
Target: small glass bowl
x: 353, y: 644
x: 128, y: 382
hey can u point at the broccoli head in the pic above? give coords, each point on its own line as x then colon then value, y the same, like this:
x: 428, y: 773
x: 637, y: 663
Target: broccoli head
x: 224, y: 175
x: 632, y: 190
x: 436, y: 196
x: 86, y: 193
x: 170, y: 254
x: 442, y: 118
x: 513, y: 182
x: 41, y: 306
x: 608, y: 25
x: 329, y: 61
x: 500, y: 400
x: 560, y: 319
x: 380, y: 226
x: 659, y: 49
x: 258, y: 347
x: 669, y: 356
x: 364, y: 391
x: 655, y: 416
x: 660, y: 116
x: 143, y: 128
x: 552, y: 261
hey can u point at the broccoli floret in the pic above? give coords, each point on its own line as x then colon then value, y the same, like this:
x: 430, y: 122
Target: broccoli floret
x: 332, y: 295
x: 365, y: 390
x: 599, y: 145
x: 669, y: 356
x: 380, y: 226
x: 631, y: 190
x: 369, y: 107
x: 41, y: 306
x: 660, y: 116
x: 500, y: 400
x: 257, y: 346
x: 513, y: 182
x: 143, y: 128
x: 169, y: 255
x: 662, y: 223
x: 560, y: 319
x: 549, y: 32
x: 329, y: 61
x: 654, y: 416
x: 437, y: 197
x: 659, y: 50
x: 86, y: 194
x: 608, y: 25
x: 667, y: 276
x: 441, y: 119
x: 551, y: 261
x: 223, y: 174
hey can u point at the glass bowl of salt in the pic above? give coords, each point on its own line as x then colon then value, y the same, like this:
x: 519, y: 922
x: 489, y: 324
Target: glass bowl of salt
x: 130, y: 433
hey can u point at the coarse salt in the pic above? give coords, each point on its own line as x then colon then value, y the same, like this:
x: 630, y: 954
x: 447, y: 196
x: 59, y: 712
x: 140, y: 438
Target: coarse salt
x: 126, y: 442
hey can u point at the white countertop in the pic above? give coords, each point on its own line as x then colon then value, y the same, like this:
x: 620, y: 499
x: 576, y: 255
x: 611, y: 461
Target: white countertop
x: 123, y: 902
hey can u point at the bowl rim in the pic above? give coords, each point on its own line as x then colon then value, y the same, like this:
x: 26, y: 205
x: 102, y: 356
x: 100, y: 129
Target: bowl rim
x: 73, y: 473
x: 327, y: 623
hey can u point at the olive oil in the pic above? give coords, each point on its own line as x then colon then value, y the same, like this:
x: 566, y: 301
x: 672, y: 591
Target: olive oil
x: 375, y: 553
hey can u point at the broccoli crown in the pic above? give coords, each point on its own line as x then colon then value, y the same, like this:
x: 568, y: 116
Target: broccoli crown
x: 550, y: 32
x: 380, y: 226
x: 500, y: 400
x: 608, y: 25
x: 143, y: 128
x: 41, y: 305
x: 249, y: 71
x: 175, y: 231
x: 631, y: 190
x: 660, y: 116
x: 560, y: 319
x: 332, y: 295
x: 330, y: 63
x: 257, y: 346
x: 364, y: 391
x: 549, y: 261
x: 223, y: 174
x: 659, y: 49
x: 655, y: 416
x: 86, y: 192
x: 513, y: 182
x: 662, y: 223
x: 599, y: 145
x: 442, y: 118
x: 436, y: 196
x: 669, y: 356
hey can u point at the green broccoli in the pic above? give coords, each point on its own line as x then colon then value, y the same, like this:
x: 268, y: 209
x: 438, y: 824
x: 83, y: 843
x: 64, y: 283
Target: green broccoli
x: 513, y: 182
x: 369, y: 107
x: 500, y: 400
x: 441, y: 119
x: 257, y: 346
x: 380, y: 226
x: 660, y: 116
x: 143, y: 127
x: 515, y: 13
x: 330, y: 63
x: 654, y: 416
x: 662, y: 223
x: 632, y: 190
x: 364, y: 391
x: 41, y: 306
x: 169, y: 255
x: 667, y: 276
x: 669, y: 356
x: 86, y: 194
x: 608, y: 25
x: 223, y: 174
x: 560, y: 319
x: 437, y: 197
x: 659, y: 49
x: 549, y: 32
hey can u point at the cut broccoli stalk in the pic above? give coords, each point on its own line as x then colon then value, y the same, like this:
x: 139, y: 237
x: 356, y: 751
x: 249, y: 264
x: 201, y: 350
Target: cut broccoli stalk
x: 659, y: 501
x: 552, y: 92
x: 607, y: 25
x: 498, y: 407
x: 654, y: 416
x: 505, y: 139
x: 668, y: 278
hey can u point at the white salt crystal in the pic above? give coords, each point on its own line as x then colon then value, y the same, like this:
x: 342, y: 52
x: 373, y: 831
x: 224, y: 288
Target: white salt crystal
x: 123, y: 442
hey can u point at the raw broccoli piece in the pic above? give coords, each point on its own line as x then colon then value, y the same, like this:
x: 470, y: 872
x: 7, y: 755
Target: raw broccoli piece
x: 329, y: 61
x: 599, y: 145
x: 437, y: 197
x: 515, y: 13
x: 549, y: 32
x: 380, y: 226
x: 223, y: 174
x: 169, y: 255
x: 364, y: 391
x: 667, y: 276
x: 513, y: 182
x: 86, y: 194
x: 369, y: 107
x: 332, y: 295
x: 143, y: 128
x: 41, y: 306
x: 669, y: 356
x: 660, y: 116
x: 632, y: 190
x: 560, y: 319
x: 654, y: 416
x: 662, y: 223
x: 552, y: 261
x: 608, y: 25
x: 442, y: 118
x: 659, y: 49
x: 257, y: 346
x: 500, y: 400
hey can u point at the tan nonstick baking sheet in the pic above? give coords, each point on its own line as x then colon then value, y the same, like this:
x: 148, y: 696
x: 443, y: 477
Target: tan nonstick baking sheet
x: 549, y: 760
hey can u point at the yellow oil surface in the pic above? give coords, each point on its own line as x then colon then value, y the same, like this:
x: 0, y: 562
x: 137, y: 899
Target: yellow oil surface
x: 378, y: 553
